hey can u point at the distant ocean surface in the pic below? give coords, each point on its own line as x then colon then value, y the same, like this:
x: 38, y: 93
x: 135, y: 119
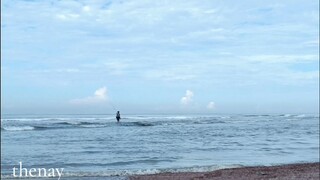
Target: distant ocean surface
x: 96, y: 145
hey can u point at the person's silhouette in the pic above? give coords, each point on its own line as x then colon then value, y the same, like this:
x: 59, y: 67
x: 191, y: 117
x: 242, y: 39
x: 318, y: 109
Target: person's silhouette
x: 118, y: 116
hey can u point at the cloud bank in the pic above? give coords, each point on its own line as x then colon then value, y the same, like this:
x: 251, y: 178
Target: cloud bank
x: 151, y: 47
x: 100, y: 96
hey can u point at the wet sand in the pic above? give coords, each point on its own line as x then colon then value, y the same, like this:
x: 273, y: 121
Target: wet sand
x: 304, y: 171
x: 287, y: 172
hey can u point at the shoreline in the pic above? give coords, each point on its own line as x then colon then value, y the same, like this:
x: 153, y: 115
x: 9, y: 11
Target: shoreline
x: 289, y: 171
x: 294, y: 171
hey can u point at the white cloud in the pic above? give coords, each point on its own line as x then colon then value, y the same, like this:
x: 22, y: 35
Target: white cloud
x: 174, y: 73
x: 67, y: 16
x: 164, y: 43
x: 59, y: 70
x: 187, y: 99
x: 100, y: 95
x: 169, y: 75
x: 282, y: 58
x: 70, y: 70
x: 312, y: 42
x: 86, y: 8
x: 211, y: 105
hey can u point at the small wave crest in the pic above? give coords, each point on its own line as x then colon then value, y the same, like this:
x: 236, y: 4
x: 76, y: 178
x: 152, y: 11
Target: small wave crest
x: 110, y: 173
x: 17, y: 128
x: 138, y: 123
x: 68, y: 125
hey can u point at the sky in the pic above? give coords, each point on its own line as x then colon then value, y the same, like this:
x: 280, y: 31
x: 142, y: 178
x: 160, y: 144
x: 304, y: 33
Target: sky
x: 159, y: 57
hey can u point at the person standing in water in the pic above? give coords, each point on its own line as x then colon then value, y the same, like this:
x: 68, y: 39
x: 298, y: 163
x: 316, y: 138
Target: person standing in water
x: 118, y: 116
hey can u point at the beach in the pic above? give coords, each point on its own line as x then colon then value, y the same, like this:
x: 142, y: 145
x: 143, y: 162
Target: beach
x: 291, y: 171
x: 299, y: 171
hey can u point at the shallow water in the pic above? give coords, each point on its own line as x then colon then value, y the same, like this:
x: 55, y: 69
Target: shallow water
x: 95, y: 145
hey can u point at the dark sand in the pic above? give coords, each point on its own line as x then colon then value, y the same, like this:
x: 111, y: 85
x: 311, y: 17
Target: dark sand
x: 288, y: 172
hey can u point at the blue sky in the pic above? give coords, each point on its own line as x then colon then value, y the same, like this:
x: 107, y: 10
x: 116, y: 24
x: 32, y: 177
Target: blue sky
x: 160, y: 56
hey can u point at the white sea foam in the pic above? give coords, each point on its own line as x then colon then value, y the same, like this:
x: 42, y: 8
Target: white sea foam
x: 109, y: 173
x: 17, y: 128
x: 26, y: 119
x: 301, y: 116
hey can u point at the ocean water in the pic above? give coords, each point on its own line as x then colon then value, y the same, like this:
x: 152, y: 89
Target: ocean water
x: 96, y: 145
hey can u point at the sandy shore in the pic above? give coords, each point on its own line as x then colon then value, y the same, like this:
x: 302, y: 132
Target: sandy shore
x: 308, y: 171
x: 288, y: 172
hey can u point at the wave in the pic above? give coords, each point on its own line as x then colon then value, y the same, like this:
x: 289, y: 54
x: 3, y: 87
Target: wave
x: 58, y: 119
x: 28, y: 119
x: 76, y: 123
x: 138, y: 123
x: 68, y: 125
x: 100, y: 123
x: 149, y: 171
x: 26, y: 128
x: 118, y: 163
x: 213, y: 121
x: 89, y: 118
x: 18, y: 128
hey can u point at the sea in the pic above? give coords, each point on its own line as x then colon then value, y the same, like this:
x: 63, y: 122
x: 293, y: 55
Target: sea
x: 98, y: 146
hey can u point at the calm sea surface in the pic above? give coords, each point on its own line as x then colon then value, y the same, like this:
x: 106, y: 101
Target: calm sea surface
x: 95, y: 145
